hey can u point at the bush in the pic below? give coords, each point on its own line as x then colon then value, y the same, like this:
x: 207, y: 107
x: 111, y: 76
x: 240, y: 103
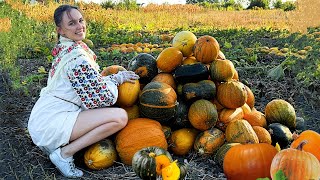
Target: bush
x: 264, y: 4
x: 289, y: 6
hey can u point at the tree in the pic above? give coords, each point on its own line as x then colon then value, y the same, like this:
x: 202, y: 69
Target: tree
x: 201, y: 1
x: 259, y: 3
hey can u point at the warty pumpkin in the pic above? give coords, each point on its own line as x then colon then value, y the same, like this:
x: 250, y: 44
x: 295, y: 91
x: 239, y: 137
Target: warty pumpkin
x: 137, y: 134
x: 148, y: 162
x: 280, y: 111
x: 232, y: 94
x: 202, y: 114
x: 100, y: 155
x: 206, y: 49
x: 128, y: 93
x: 169, y: 59
x: 313, y: 142
x: 158, y: 101
x: 296, y: 164
x: 184, y: 41
x: 208, y: 141
x: 249, y: 161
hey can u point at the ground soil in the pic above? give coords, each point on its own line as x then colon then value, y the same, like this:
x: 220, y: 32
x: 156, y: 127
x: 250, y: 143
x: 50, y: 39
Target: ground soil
x: 21, y: 159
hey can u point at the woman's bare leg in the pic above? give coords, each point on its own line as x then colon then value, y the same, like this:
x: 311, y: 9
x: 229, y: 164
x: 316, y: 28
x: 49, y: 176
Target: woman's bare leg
x: 92, y: 126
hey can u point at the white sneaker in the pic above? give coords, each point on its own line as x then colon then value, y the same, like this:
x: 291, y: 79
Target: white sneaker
x: 65, y: 166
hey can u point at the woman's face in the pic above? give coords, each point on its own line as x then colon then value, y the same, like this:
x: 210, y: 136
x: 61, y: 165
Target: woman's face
x: 72, y: 26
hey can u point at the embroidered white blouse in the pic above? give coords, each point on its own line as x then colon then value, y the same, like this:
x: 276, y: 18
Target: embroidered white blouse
x: 74, y: 84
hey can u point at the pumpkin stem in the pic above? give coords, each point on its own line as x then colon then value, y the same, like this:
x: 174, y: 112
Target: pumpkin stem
x: 152, y: 154
x: 301, y: 144
x: 90, y: 162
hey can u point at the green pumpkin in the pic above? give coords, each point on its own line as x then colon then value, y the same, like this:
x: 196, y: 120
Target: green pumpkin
x: 205, y: 89
x: 188, y: 73
x: 221, y: 152
x: 144, y: 161
x: 280, y: 134
x: 145, y: 65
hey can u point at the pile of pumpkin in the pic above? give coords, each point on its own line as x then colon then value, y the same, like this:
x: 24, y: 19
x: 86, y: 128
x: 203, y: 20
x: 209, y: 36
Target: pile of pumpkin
x: 190, y: 98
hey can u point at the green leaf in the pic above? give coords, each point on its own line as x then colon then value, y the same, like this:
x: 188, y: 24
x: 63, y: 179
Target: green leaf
x: 276, y: 73
x: 279, y: 175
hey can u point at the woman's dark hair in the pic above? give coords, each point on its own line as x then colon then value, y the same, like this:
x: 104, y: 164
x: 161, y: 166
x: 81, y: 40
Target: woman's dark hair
x: 58, y: 13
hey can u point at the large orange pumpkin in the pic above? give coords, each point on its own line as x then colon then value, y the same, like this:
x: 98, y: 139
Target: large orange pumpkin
x: 184, y: 41
x: 248, y: 161
x: 313, y: 145
x: 137, y: 134
x: 206, y: 49
x: 128, y: 93
x: 296, y: 164
x: 169, y: 59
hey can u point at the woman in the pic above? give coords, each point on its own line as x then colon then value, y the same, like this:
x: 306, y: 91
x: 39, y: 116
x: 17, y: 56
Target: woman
x: 72, y: 111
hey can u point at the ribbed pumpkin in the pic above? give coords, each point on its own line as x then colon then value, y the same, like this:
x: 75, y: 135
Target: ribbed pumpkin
x: 145, y: 65
x: 249, y: 161
x: 181, y: 141
x: 206, y: 49
x: 132, y: 111
x: 232, y: 94
x: 256, y: 118
x: 169, y: 59
x: 221, y: 70
x: 128, y: 93
x: 207, y: 142
x: 251, y: 99
x: 100, y: 155
x: 202, y: 114
x: 137, y: 134
x: 313, y: 142
x: 296, y: 164
x: 158, y: 101
x: 165, y: 78
x: 240, y: 131
x: 148, y: 162
x: 227, y: 115
x: 113, y: 69
x: 280, y: 111
x: 184, y: 41
x: 246, y: 109
x: 221, y: 152
x: 263, y: 134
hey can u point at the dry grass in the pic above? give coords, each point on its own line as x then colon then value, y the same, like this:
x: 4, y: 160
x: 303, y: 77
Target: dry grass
x: 5, y: 24
x: 155, y: 17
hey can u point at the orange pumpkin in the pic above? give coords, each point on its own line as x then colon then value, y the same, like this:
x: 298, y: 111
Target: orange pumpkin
x: 181, y: 141
x: 248, y: 161
x: 128, y: 93
x: 296, y: 164
x: 137, y: 134
x: 113, y: 69
x: 240, y: 131
x: 207, y: 142
x: 263, y: 134
x: 221, y: 70
x: 227, y: 115
x: 256, y: 118
x: 251, y: 99
x: 221, y: 55
x: 190, y: 60
x: 232, y: 94
x: 202, y: 114
x: 313, y: 145
x: 169, y: 59
x: 184, y: 41
x: 165, y: 78
x: 206, y: 49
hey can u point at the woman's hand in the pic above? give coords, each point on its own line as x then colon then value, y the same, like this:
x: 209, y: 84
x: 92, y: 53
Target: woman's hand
x: 126, y: 76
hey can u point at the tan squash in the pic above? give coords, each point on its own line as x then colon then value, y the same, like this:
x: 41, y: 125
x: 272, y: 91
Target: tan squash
x: 240, y: 131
